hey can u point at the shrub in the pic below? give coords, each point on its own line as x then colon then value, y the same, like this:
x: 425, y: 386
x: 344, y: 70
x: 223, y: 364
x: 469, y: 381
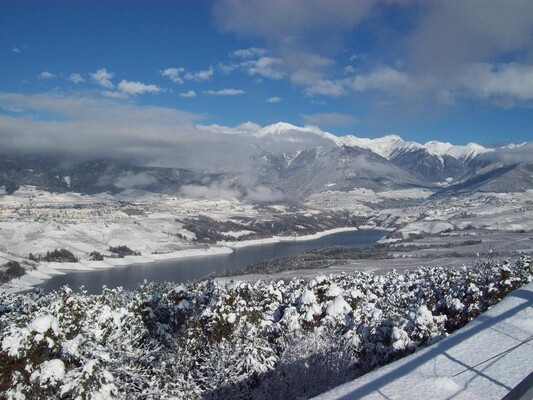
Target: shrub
x: 123, y: 251
x: 96, y: 256
x: 12, y: 270
x: 236, y: 340
x: 59, y: 255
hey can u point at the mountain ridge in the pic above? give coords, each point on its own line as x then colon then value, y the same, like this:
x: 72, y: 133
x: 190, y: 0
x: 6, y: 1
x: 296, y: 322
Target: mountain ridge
x: 299, y: 161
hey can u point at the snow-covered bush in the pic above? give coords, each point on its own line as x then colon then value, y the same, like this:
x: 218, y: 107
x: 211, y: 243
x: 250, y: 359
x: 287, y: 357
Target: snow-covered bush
x: 235, y: 340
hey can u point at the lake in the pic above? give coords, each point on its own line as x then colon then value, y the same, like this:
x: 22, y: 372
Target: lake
x: 192, y: 268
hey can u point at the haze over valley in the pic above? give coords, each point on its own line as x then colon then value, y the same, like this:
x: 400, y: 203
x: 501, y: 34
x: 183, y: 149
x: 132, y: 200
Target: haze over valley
x: 257, y: 199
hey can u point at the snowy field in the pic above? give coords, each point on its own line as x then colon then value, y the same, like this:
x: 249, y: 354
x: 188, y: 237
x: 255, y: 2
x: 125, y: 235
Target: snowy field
x: 484, y: 360
x: 33, y: 221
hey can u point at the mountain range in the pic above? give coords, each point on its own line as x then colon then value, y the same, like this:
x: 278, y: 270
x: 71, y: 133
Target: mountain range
x: 295, y: 161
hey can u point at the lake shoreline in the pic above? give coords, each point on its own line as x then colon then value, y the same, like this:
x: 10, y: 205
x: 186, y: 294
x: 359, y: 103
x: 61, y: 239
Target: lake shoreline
x: 46, y: 271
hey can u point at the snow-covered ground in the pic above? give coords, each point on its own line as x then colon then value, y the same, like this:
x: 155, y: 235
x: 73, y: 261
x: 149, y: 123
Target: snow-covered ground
x: 277, y: 239
x: 415, y: 212
x: 33, y: 221
x: 484, y: 360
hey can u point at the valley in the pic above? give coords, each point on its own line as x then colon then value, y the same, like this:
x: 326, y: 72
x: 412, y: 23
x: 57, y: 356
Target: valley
x: 422, y: 228
x: 308, y: 245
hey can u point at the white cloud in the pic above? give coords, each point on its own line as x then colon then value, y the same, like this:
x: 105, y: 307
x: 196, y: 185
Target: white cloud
x: 89, y: 125
x: 15, y: 50
x: 224, y: 92
x: 224, y: 190
x: 278, y: 20
x: 293, y: 29
x: 349, y: 70
x: 174, y: 74
x: 129, y: 87
x: 330, y: 119
x: 249, y: 53
x: 383, y: 78
x: 199, y: 76
x: 305, y: 77
x: 131, y: 180
x: 358, y: 57
x: 266, y: 67
x: 512, y: 81
x: 227, y: 68
x: 450, y: 49
x: 274, y: 99
x: 178, y: 75
x: 451, y: 34
x: 46, y: 75
x: 103, y: 78
x: 188, y: 94
x: 76, y: 78
x: 13, y: 109
x: 325, y: 87
x: 114, y: 95
x: 264, y: 194
x: 245, y: 128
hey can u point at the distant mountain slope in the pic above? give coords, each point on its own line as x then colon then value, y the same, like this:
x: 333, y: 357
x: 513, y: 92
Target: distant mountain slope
x: 504, y: 179
x: 63, y: 174
x: 430, y: 167
x: 298, y: 160
x: 344, y: 168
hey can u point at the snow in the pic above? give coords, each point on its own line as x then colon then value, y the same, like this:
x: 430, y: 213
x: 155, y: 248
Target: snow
x: 43, y: 323
x: 429, y: 226
x: 384, y: 146
x: 388, y: 146
x: 15, y: 343
x: 219, y: 334
x: 338, y: 307
x: 424, y: 315
x: 334, y: 291
x: 308, y: 297
x: 237, y: 234
x: 483, y: 360
x: 277, y: 239
x: 50, y: 372
x: 231, y: 318
x: 282, y: 128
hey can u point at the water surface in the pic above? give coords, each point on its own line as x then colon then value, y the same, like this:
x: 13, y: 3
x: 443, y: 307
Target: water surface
x: 187, y: 269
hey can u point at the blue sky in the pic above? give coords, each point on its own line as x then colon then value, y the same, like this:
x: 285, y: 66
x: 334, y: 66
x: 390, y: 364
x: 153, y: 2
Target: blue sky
x: 426, y: 70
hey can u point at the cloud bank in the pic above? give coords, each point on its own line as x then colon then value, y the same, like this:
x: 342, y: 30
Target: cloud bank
x: 94, y: 126
x: 478, y: 50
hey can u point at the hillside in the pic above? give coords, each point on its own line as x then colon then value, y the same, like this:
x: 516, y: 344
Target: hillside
x: 285, y: 162
x: 240, y: 340
x: 483, y: 360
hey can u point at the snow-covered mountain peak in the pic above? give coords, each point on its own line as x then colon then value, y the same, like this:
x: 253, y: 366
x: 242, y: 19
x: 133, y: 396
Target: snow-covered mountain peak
x: 389, y: 146
x: 468, y: 151
x: 385, y: 146
x: 277, y: 129
x: 437, y: 148
x: 282, y: 128
x: 393, y: 138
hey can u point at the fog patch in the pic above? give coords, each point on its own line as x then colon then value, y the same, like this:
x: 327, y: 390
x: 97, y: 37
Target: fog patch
x: 213, y: 190
x: 365, y: 164
x: 512, y: 154
x: 264, y: 194
x: 131, y: 180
